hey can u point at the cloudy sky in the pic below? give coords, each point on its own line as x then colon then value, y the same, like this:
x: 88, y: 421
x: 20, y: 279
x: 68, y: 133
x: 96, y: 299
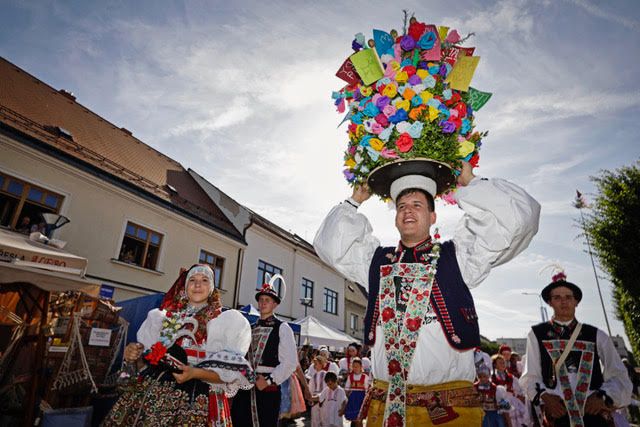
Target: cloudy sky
x: 240, y: 92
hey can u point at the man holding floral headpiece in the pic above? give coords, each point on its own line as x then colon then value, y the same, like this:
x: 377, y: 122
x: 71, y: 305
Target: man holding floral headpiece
x: 421, y: 321
x: 573, y: 369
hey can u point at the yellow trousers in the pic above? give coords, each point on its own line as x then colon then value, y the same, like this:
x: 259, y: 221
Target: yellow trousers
x: 418, y: 414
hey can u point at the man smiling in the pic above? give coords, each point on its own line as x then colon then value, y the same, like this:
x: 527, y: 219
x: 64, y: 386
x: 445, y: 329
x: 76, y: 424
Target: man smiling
x: 573, y: 370
x: 421, y: 321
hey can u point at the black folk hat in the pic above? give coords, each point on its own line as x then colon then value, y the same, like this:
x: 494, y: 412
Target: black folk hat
x: 429, y: 175
x: 558, y: 280
x: 270, y: 290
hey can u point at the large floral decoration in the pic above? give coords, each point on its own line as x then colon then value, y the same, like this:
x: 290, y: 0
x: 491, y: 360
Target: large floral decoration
x: 408, y: 96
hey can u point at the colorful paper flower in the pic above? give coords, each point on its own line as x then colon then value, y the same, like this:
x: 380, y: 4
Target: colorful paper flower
x: 404, y: 143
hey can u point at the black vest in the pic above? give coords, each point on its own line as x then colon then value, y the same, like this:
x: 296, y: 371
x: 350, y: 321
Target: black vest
x: 270, y: 352
x: 450, y: 297
x: 545, y: 331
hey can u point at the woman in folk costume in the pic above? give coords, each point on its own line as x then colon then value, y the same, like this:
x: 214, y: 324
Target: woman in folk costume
x: 190, y: 357
x: 356, y: 386
x: 501, y: 376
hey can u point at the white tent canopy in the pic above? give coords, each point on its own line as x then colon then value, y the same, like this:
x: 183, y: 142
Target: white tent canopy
x: 316, y: 333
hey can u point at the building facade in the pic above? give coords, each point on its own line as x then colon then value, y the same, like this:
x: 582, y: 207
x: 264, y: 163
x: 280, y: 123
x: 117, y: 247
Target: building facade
x: 135, y: 214
x: 356, y: 307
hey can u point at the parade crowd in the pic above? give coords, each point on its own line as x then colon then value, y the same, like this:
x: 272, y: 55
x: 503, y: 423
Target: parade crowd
x: 196, y: 364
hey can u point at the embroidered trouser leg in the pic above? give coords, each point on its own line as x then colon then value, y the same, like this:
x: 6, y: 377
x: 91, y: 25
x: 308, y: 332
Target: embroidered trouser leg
x: 452, y: 404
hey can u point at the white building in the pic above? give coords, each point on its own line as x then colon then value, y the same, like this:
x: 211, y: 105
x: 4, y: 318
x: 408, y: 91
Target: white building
x: 270, y: 250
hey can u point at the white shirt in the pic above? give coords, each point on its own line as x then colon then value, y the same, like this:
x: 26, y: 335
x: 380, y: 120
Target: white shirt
x: 499, y: 222
x: 616, y: 381
x: 332, y: 368
x: 357, y: 377
x: 330, y: 403
x: 345, y: 368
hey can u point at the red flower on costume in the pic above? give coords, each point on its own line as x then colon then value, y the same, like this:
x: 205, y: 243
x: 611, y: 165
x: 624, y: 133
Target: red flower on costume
x: 414, y: 324
x: 395, y: 420
x: 385, y: 270
x: 388, y: 314
x: 394, y: 367
x: 404, y: 142
x: 156, y: 354
x: 587, y: 356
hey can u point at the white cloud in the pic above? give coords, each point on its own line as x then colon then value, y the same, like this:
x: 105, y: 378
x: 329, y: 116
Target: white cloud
x: 599, y: 12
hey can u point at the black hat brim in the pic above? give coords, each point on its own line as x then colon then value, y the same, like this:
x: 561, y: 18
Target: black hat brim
x: 546, y: 292
x: 381, y: 178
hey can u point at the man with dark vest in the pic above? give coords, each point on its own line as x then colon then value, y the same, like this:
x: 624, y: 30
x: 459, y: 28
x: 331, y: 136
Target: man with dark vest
x: 572, y: 369
x: 274, y: 358
x: 421, y: 322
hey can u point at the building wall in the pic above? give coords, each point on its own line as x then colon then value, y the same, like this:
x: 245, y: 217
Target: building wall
x: 296, y: 263
x: 358, y: 310
x: 99, y: 212
x: 519, y: 345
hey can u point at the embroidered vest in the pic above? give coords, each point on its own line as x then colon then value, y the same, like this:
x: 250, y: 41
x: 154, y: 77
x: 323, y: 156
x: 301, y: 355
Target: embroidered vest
x: 545, y: 332
x: 357, y: 384
x: 507, y: 382
x: 450, y: 297
x: 270, y: 352
x: 487, y: 396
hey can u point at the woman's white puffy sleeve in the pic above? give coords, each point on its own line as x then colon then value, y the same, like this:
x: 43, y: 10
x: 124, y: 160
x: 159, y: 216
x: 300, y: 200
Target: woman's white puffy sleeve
x: 228, y: 341
x: 149, y: 332
x: 345, y: 242
x: 499, y: 222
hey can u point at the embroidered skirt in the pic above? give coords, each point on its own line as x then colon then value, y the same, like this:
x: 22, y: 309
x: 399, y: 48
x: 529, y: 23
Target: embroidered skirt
x: 155, y: 399
x: 452, y: 404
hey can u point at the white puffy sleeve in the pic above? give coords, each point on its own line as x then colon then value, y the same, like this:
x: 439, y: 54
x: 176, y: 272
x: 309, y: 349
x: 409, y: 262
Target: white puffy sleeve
x: 287, y: 355
x: 616, y: 383
x: 149, y: 332
x: 228, y: 340
x: 345, y: 241
x: 499, y: 222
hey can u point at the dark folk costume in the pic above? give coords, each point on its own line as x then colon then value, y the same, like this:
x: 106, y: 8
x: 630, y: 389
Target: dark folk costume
x: 273, y: 354
x: 202, y: 337
x: 591, y: 365
x: 421, y: 321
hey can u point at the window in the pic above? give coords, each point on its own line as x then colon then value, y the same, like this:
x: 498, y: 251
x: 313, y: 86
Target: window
x: 354, y: 322
x: 307, y: 291
x: 265, y: 271
x: 140, y: 246
x: 330, y: 301
x: 216, y: 263
x: 21, y: 204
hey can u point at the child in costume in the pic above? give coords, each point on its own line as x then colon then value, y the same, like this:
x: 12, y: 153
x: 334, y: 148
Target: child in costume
x: 356, y: 386
x: 494, y: 400
x: 332, y: 402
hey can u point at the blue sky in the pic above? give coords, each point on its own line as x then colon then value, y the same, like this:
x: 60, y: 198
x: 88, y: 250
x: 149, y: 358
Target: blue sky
x: 240, y: 92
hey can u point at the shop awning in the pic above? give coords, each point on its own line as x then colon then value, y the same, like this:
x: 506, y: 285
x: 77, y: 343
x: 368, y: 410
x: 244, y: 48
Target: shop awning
x: 47, y: 280
x: 17, y: 249
x: 316, y: 333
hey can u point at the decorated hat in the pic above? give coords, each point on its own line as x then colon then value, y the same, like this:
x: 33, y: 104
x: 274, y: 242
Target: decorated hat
x: 408, y: 97
x: 270, y: 290
x: 560, y: 279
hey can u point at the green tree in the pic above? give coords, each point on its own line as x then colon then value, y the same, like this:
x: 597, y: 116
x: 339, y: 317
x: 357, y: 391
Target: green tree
x: 613, y: 227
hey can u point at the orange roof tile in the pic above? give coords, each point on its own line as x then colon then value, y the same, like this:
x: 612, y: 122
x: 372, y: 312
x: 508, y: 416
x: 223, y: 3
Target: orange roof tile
x: 34, y: 108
